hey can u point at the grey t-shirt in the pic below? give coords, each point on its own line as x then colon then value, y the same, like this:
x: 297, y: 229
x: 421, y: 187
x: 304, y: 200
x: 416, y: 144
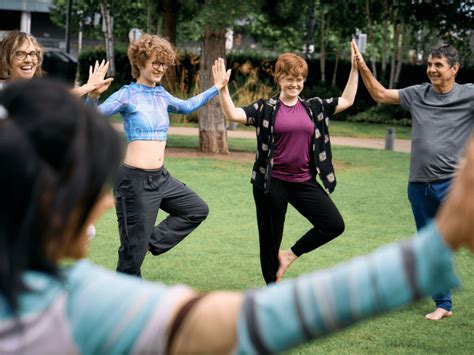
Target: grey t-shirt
x: 441, y: 126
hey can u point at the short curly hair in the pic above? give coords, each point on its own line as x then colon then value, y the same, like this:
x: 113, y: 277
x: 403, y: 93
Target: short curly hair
x: 290, y: 64
x: 146, y: 47
x: 8, y: 47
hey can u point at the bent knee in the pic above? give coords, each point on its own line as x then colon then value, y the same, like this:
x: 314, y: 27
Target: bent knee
x: 336, y: 228
x: 200, y: 213
x: 340, y: 227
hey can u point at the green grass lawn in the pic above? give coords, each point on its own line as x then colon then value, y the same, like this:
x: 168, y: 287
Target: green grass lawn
x: 367, y: 130
x: 223, y: 252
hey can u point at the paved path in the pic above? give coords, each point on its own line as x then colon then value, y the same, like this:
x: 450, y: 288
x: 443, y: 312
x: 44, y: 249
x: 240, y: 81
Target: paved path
x: 401, y: 145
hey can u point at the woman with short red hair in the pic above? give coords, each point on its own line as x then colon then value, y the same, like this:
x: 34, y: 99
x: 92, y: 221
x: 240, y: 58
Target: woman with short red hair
x: 293, y: 146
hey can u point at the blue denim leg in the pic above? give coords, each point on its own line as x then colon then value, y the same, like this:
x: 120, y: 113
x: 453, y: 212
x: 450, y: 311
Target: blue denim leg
x: 425, y: 199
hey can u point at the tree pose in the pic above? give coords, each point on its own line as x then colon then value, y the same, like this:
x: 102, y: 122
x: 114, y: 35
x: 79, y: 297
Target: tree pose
x: 293, y: 146
x: 144, y: 185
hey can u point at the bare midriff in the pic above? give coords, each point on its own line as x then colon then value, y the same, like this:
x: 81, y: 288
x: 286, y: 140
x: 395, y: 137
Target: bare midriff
x: 145, y: 154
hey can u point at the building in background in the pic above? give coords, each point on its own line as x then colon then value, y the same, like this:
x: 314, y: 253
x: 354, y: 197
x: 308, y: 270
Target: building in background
x: 31, y: 16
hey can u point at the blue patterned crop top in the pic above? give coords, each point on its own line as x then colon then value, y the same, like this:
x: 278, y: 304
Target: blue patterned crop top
x: 145, y: 109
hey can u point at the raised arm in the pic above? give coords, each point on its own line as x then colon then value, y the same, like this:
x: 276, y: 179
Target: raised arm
x: 376, y: 90
x: 115, y: 103
x: 349, y: 93
x: 96, y: 84
x: 177, y: 105
x: 221, y: 79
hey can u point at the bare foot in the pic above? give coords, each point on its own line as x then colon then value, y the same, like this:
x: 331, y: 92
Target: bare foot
x: 438, y: 314
x: 285, y: 257
x: 91, y: 231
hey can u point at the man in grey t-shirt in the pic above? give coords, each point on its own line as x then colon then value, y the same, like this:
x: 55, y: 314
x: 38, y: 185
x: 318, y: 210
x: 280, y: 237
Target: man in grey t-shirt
x: 442, y: 121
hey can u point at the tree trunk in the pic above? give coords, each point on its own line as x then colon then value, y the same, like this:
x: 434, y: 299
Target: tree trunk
x: 108, y: 30
x: 310, y: 29
x: 169, y: 9
x: 322, y: 42
x: 383, y: 69
x: 393, y: 63
x: 370, y: 35
x: 403, y: 47
x: 336, y: 64
x: 149, y: 11
x: 212, y: 130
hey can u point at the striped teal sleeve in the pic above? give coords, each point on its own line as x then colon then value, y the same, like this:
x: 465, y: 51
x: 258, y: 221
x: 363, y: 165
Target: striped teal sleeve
x: 113, y: 313
x: 287, y: 314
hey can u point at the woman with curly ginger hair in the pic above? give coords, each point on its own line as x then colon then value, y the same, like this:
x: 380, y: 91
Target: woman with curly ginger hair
x: 143, y: 184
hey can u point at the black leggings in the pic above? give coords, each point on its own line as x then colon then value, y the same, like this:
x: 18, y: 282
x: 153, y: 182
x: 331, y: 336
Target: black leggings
x: 309, y: 199
x: 139, y: 194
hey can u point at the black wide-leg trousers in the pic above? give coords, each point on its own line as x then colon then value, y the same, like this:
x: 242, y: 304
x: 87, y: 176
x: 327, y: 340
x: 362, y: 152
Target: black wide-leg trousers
x: 309, y: 199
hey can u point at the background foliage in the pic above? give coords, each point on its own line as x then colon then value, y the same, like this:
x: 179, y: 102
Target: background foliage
x: 252, y: 78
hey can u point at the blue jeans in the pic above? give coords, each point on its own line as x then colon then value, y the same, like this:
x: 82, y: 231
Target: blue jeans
x: 425, y: 199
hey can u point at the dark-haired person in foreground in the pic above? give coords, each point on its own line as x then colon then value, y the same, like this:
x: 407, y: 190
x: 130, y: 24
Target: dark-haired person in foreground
x: 58, y: 159
x: 442, y: 121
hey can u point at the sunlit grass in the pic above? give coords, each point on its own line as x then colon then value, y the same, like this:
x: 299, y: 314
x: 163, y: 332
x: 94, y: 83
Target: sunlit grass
x: 223, y: 252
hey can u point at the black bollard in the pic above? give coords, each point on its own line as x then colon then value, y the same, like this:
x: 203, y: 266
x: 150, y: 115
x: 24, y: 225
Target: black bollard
x: 389, y: 138
x: 231, y: 126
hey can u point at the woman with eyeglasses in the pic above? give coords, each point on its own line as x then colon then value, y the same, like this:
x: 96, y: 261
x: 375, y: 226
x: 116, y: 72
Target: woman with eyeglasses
x: 143, y: 185
x: 21, y: 57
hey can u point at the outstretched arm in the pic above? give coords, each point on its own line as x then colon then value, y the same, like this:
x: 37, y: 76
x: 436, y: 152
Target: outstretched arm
x: 96, y: 84
x: 221, y: 79
x: 455, y: 218
x: 349, y: 93
x: 376, y: 90
x: 292, y: 312
x: 287, y: 314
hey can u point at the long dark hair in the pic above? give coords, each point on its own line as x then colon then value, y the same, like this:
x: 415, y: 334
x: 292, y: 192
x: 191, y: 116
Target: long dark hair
x: 56, y: 156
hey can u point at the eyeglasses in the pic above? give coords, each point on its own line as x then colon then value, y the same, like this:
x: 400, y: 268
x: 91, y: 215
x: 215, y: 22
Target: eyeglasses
x: 156, y: 65
x: 20, y: 55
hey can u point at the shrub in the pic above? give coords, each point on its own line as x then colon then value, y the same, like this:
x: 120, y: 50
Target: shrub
x: 388, y: 114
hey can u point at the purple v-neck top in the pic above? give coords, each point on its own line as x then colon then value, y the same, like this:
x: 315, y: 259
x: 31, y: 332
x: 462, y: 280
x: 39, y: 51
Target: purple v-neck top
x: 293, y: 136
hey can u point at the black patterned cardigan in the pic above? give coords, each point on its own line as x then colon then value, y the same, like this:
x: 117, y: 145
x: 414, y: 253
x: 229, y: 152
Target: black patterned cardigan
x: 261, y: 114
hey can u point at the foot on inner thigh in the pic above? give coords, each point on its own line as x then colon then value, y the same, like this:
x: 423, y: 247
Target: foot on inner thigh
x: 285, y: 257
x: 439, y: 313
